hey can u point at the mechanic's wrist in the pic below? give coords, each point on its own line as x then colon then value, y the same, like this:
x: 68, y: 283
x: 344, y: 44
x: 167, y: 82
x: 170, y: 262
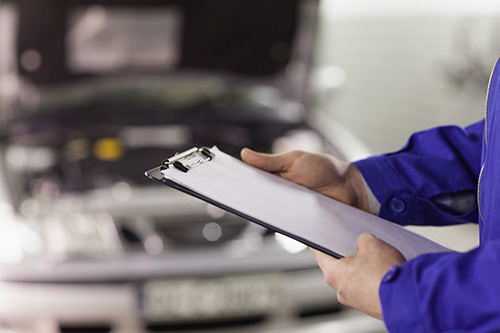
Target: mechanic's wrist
x: 372, y: 199
x: 358, y: 188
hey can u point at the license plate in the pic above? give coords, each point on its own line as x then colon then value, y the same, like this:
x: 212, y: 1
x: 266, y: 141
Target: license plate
x: 213, y: 298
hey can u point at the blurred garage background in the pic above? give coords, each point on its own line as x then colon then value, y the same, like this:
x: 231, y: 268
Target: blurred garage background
x: 88, y: 244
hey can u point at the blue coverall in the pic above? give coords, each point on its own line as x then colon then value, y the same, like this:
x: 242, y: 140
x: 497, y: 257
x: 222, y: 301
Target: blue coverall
x: 444, y: 292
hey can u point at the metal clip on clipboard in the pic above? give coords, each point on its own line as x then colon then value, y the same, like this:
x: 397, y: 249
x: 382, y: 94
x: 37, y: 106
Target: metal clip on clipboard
x: 188, y: 159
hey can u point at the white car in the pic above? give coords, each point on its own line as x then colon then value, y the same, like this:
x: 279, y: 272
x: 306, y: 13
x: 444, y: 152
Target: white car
x: 105, y: 92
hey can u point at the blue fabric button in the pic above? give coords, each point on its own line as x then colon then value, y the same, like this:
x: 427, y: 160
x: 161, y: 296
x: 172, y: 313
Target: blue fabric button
x: 397, y: 205
x: 391, y: 273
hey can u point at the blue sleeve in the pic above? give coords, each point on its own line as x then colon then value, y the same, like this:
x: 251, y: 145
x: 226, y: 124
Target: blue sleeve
x: 442, y: 160
x: 444, y: 292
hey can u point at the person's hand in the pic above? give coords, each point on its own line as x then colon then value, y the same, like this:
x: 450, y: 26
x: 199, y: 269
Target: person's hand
x: 322, y: 173
x: 357, y: 279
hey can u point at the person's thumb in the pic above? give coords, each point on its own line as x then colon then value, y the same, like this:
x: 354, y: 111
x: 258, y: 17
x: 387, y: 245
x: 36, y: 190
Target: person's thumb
x: 267, y: 162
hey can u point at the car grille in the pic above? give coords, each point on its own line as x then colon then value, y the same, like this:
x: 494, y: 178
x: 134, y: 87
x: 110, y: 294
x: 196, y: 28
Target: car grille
x: 205, y: 325
x: 186, y: 231
x: 200, y: 230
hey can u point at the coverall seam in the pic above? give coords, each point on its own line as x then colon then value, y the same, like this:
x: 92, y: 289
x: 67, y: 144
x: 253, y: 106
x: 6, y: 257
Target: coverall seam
x: 402, y: 179
x: 418, y: 307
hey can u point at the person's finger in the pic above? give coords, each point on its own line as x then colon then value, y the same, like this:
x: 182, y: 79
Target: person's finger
x: 267, y: 162
x: 368, y: 243
x: 331, y: 267
x: 324, y: 260
x: 364, y: 240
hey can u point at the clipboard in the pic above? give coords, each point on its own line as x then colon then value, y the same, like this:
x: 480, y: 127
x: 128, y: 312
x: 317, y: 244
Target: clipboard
x: 307, y: 216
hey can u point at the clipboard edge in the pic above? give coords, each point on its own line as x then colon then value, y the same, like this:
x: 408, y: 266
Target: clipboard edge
x: 156, y: 174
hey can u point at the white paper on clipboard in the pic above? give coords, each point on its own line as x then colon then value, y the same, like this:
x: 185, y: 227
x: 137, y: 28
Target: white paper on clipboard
x: 300, y: 213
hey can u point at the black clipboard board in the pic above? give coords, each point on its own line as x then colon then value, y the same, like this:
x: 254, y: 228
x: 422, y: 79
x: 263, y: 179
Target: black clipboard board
x: 324, y: 224
x: 177, y: 162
